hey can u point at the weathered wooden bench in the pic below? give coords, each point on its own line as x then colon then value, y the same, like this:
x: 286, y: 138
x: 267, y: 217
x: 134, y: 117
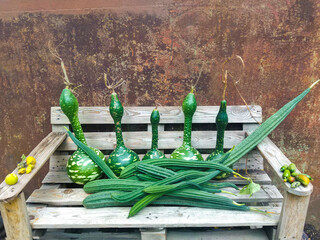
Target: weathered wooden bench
x: 55, y: 210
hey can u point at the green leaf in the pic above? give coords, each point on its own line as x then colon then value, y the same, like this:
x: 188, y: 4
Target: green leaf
x: 23, y: 157
x: 250, y: 189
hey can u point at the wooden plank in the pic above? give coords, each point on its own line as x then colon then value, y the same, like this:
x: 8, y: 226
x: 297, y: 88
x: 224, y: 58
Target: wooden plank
x: 258, y: 176
x: 16, y: 219
x: 169, y: 114
x: 150, y: 217
x: 84, y: 234
x: 293, y: 216
x: 167, y: 140
x: 219, y: 234
x: 252, y: 161
x: 42, y: 153
x: 154, y: 234
x: 75, y: 196
x: 276, y: 159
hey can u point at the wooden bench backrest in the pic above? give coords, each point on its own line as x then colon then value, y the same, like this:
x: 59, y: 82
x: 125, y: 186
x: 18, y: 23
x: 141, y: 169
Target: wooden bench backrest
x: 99, y: 129
x: 98, y: 125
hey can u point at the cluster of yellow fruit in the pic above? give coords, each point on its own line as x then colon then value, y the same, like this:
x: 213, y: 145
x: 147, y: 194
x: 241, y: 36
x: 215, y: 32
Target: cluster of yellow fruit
x: 25, y: 166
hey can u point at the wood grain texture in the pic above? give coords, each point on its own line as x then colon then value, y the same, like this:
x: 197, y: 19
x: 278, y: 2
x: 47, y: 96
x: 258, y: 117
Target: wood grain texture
x: 252, y: 161
x: 42, y: 153
x: 15, y: 219
x: 258, y: 176
x: 153, y: 233
x: 150, y: 217
x: 167, y: 140
x: 168, y: 114
x: 75, y: 196
x: 276, y: 159
x: 293, y: 216
x: 220, y: 234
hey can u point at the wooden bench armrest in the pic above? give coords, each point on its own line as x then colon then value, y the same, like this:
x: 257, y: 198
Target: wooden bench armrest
x: 276, y: 159
x: 42, y: 153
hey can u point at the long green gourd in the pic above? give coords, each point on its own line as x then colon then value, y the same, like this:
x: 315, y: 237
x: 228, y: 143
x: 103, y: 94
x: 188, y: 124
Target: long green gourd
x: 186, y: 151
x: 121, y: 155
x: 221, y: 123
x: 265, y: 128
x: 154, y: 152
x: 80, y: 167
x: 241, y: 149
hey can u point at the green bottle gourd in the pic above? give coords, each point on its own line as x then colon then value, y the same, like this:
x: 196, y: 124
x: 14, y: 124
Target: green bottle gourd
x: 121, y: 155
x: 221, y: 122
x: 80, y: 167
x: 154, y: 152
x: 186, y: 151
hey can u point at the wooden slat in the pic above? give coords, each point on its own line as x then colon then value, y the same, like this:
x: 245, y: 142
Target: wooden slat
x: 42, y: 153
x: 75, y: 196
x: 257, y: 234
x: 293, y: 216
x: 258, y: 176
x: 253, y: 161
x: 150, y: 217
x: 141, y: 115
x: 84, y: 234
x: 183, y: 234
x: 15, y: 219
x: 276, y: 159
x: 167, y: 140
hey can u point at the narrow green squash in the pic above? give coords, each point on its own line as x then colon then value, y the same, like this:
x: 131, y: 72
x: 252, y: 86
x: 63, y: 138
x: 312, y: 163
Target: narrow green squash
x: 80, y: 167
x: 154, y: 152
x: 221, y: 123
x: 186, y: 151
x: 121, y: 156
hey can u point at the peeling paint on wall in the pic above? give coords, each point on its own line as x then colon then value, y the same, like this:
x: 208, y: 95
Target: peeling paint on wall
x: 159, y: 51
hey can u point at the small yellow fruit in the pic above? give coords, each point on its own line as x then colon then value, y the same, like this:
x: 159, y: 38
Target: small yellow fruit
x: 29, y: 168
x: 22, y: 170
x: 11, y: 179
x: 30, y: 160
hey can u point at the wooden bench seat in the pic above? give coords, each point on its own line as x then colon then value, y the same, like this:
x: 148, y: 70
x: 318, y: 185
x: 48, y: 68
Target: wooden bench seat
x: 57, y: 204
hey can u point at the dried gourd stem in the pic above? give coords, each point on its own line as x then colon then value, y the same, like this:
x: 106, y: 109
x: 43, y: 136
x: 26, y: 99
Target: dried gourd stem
x: 194, y: 85
x: 313, y: 84
x: 54, y: 52
x: 224, y: 80
x: 112, y: 85
x: 236, y: 82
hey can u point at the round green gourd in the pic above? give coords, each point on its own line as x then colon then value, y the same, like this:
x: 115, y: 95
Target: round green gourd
x: 154, y: 152
x: 80, y: 168
x: 186, y: 151
x: 221, y: 122
x: 121, y: 155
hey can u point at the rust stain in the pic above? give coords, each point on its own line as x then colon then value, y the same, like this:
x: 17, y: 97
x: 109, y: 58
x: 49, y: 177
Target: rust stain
x: 158, y: 47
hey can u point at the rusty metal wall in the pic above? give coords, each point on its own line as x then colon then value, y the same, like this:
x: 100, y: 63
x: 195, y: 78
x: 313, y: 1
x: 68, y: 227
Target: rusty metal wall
x: 158, y: 47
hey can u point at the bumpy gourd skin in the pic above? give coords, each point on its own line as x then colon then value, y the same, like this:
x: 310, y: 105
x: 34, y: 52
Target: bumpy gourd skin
x: 154, y: 152
x: 186, y: 151
x: 221, y: 122
x: 80, y: 167
x: 121, y: 155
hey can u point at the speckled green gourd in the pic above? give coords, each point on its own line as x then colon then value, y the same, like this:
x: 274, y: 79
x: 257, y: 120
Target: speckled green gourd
x: 121, y: 155
x: 80, y: 167
x: 154, y: 152
x: 221, y: 122
x: 186, y: 151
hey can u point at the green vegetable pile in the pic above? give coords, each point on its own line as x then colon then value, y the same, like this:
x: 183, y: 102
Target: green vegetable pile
x: 178, y: 180
x: 294, y: 178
